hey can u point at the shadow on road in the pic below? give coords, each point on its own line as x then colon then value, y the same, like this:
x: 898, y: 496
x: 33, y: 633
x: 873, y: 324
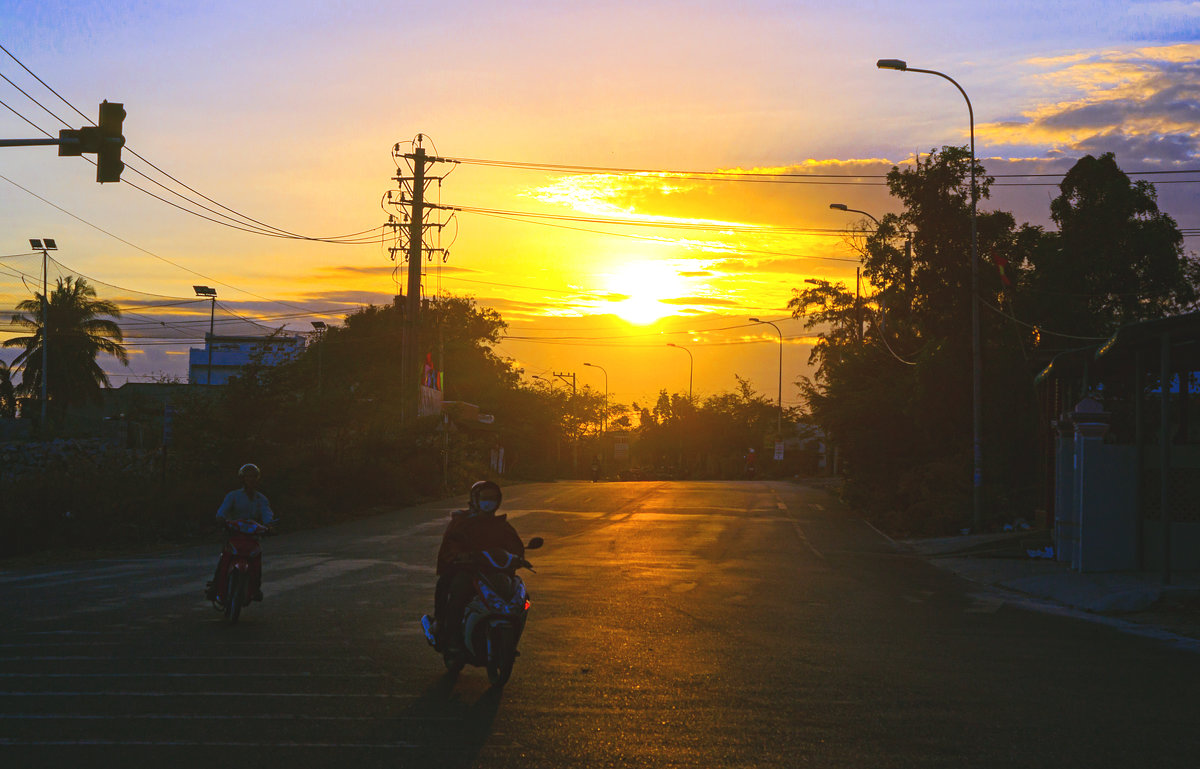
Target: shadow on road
x: 446, y: 727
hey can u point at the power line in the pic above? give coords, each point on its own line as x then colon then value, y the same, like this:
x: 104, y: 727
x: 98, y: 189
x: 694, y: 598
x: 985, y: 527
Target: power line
x: 731, y: 250
x: 243, y: 222
x: 751, y: 176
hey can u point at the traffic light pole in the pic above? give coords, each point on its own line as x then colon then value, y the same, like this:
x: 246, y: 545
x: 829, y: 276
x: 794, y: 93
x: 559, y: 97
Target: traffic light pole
x: 104, y: 140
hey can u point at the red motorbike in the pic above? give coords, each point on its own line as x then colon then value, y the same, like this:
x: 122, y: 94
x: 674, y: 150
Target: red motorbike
x: 239, y: 574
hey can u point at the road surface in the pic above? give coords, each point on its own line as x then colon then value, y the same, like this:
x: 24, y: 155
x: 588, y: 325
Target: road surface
x: 674, y: 624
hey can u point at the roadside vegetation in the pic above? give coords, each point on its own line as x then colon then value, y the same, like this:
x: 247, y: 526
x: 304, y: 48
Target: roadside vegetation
x: 893, y: 382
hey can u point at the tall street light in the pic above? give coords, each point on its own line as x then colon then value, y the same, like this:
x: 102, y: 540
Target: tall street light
x: 779, y: 423
x: 843, y: 207
x: 319, y: 326
x: 976, y: 348
x: 857, y: 270
x: 210, y: 293
x: 44, y: 245
x: 691, y: 366
x: 604, y: 416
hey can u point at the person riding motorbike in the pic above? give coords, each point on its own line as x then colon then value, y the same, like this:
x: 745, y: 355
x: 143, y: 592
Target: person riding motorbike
x: 470, y: 531
x: 246, y: 503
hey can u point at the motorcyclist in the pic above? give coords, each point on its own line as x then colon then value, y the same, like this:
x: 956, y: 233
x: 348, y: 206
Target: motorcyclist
x: 470, y: 531
x: 246, y: 503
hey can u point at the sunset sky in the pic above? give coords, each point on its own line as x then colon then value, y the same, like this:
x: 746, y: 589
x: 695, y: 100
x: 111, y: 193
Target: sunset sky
x: 287, y: 113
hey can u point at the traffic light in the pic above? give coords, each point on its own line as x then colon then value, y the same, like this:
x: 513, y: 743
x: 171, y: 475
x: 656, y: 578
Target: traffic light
x: 108, y: 150
x: 73, y: 139
x: 105, y: 140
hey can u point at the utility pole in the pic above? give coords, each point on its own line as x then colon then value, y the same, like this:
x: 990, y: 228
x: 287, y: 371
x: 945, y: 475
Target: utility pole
x: 412, y: 229
x: 574, y: 429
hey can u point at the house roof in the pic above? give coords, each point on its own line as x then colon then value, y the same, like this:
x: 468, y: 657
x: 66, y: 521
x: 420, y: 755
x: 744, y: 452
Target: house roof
x: 1118, y: 350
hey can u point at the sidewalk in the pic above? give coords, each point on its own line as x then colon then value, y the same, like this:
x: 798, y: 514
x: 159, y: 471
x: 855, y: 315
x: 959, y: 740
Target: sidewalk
x: 1003, y: 561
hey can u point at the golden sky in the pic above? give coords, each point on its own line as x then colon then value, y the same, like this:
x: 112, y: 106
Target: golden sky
x: 288, y: 115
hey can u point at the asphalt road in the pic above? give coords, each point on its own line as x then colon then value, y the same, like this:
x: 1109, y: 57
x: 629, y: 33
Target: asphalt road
x: 746, y: 624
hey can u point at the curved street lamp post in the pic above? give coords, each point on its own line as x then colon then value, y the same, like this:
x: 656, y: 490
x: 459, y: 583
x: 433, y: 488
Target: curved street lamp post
x: 691, y: 366
x: 857, y: 270
x: 976, y: 350
x: 779, y: 422
x: 604, y: 416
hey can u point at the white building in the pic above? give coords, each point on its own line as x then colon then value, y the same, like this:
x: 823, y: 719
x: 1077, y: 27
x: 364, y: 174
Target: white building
x: 231, y: 353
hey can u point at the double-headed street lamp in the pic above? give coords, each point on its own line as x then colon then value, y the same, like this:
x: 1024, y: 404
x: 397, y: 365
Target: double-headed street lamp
x: 604, y: 416
x: 45, y: 245
x: 976, y: 349
x: 691, y: 366
x: 319, y: 326
x: 208, y: 293
x: 779, y: 423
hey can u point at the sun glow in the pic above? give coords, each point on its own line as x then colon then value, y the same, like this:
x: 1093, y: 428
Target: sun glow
x: 645, y: 285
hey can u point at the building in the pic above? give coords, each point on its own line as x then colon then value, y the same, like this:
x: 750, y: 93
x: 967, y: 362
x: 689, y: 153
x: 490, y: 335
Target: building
x: 1124, y: 454
x: 231, y: 353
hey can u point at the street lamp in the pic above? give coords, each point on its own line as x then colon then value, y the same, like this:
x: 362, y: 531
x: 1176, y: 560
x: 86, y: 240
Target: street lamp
x: 211, y: 293
x: 44, y: 245
x: 691, y: 366
x: 843, y: 207
x: 976, y: 348
x: 319, y: 326
x: 604, y: 416
x: 547, y: 381
x: 779, y: 424
x: 857, y: 270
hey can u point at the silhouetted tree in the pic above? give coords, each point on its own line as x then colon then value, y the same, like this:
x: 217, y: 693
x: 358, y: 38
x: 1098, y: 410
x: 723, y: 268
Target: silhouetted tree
x: 77, y: 335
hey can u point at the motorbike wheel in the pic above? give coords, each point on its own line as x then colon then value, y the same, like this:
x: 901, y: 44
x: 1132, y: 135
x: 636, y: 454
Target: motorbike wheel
x: 233, y: 604
x: 502, y: 652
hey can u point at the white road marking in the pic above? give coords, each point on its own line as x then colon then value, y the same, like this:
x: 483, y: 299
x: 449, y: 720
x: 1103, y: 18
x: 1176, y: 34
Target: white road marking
x: 880, y: 533
x: 804, y: 540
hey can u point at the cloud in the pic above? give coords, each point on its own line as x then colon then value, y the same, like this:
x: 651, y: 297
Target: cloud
x: 1142, y: 104
x: 354, y: 270
x: 701, y: 301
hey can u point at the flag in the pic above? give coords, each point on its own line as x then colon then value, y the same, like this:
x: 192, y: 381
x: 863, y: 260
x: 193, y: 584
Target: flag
x: 1002, y: 266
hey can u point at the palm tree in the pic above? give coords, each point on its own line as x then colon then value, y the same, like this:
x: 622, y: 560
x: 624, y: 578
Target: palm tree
x: 77, y: 336
x: 8, y: 396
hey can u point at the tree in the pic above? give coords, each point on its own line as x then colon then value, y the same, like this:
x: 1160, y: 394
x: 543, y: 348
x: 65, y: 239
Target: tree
x: 896, y: 399
x: 1115, y: 259
x: 77, y: 336
x: 8, y: 399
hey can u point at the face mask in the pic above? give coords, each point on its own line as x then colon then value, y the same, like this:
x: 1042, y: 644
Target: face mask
x: 489, y: 505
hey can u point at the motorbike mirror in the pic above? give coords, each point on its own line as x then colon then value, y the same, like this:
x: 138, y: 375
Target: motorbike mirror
x: 534, y: 543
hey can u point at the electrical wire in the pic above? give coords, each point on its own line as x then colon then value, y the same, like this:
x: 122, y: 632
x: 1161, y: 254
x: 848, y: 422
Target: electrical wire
x: 745, y: 176
x: 255, y: 226
x: 1041, y: 329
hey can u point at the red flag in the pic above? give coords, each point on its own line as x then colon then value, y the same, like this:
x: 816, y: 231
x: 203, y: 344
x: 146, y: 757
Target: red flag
x: 1002, y: 265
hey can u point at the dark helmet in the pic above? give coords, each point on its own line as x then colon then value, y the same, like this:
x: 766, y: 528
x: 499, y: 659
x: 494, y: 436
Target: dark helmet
x: 248, y: 469
x: 485, y: 496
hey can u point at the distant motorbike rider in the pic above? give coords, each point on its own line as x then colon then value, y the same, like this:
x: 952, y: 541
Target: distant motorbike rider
x: 470, y: 531
x: 246, y: 503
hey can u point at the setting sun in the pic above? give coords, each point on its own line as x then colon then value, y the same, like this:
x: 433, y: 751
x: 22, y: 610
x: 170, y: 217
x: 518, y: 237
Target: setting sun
x: 646, y: 284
